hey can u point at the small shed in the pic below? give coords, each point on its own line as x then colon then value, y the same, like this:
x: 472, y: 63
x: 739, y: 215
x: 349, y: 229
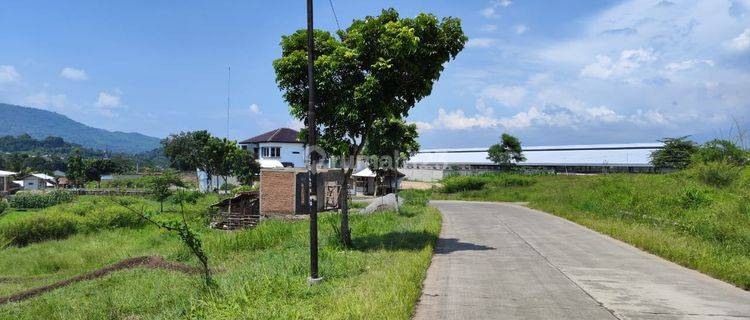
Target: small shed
x: 238, y: 212
x: 389, y: 181
x: 363, y: 182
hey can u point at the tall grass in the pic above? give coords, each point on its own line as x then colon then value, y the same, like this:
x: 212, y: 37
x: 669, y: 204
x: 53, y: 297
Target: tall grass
x: 262, y: 272
x: 680, y: 216
x: 87, y: 214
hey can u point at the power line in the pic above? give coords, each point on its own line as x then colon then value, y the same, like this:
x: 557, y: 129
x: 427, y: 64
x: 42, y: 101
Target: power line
x: 334, y: 14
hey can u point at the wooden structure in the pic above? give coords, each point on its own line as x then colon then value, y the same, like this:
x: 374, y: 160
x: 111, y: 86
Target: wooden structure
x: 239, y: 212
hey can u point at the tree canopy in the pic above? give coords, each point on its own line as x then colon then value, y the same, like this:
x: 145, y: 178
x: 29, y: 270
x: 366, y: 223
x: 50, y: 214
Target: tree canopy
x: 506, y: 153
x: 676, y: 154
x: 216, y: 157
x: 392, y: 142
x: 375, y: 70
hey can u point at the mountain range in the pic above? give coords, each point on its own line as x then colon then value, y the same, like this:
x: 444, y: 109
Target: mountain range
x: 40, y: 124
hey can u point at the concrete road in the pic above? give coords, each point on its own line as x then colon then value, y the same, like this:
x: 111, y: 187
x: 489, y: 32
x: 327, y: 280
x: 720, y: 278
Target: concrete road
x: 503, y: 261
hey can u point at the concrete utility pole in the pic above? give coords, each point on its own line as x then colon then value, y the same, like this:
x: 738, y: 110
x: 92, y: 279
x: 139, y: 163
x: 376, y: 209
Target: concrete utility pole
x: 312, y: 154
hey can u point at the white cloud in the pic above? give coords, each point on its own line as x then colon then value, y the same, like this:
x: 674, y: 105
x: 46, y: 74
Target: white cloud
x: 295, y: 124
x: 480, y: 42
x: 488, y: 12
x: 507, y: 95
x: 74, y: 74
x: 254, y: 109
x: 521, y: 29
x: 491, y: 10
x: 547, y: 116
x: 46, y: 101
x: 108, y: 101
x: 423, y: 126
x: 687, y: 64
x: 9, y: 75
x: 488, y: 27
x: 741, y: 42
x: 629, y: 61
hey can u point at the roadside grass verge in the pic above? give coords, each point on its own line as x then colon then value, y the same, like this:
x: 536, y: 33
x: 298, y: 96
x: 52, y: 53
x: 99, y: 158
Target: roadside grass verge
x: 261, y: 273
x: 675, y: 216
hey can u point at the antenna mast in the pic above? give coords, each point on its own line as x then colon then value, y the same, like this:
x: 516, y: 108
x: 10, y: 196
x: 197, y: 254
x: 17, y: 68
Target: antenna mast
x: 229, y: 92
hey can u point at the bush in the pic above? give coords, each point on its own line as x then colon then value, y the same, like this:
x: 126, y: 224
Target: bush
x: 721, y: 151
x: 717, y: 174
x: 462, y: 183
x: 38, y: 228
x: 691, y: 197
x: 244, y: 189
x: 111, y: 217
x: 37, y: 200
x: 3, y: 205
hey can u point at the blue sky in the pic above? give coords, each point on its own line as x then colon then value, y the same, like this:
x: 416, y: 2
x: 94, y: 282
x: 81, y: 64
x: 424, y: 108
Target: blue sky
x: 550, y: 72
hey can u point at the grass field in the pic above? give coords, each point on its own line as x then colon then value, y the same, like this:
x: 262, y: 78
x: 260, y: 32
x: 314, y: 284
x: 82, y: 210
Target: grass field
x: 261, y: 273
x: 671, y: 215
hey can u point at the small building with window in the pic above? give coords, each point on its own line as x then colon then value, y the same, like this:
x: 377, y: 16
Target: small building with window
x: 282, y: 145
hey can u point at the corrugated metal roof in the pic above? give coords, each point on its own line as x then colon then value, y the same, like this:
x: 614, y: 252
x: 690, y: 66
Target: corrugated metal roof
x: 632, y: 154
x: 6, y: 173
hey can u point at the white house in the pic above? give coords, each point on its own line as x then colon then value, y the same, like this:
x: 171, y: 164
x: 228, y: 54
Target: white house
x: 36, y: 181
x: 280, y: 145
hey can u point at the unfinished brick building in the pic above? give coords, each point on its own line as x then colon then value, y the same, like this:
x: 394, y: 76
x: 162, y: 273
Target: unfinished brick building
x: 283, y: 191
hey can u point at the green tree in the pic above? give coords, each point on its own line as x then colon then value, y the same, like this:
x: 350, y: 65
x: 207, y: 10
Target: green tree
x: 161, y: 185
x: 506, y: 153
x: 95, y: 168
x: 676, y: 154
x: 376, y: 69
x: 719, y: 150
x: 219, y: 155
x: 244, y: 167
x: 391, y: 143
x: 184, y: 149
x: 76, y: 173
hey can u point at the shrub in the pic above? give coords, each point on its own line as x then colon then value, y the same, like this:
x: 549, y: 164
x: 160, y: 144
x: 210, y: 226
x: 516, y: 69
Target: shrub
x: 462, y: 183
x: 38, y: 228
x: 111, y: 217
x: 717, y: 174
x: 3, y: 206
x: 244, y: 188
x: 691, y: 197
x: 721, y: 151
x: 36, y: 200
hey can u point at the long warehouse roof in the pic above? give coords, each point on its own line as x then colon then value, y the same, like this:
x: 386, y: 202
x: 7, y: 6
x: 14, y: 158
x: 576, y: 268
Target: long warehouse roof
x: 631, y: 154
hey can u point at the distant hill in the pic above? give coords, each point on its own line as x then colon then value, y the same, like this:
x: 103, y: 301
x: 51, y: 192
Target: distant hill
x: 40, y: 124
x: 48, y: 146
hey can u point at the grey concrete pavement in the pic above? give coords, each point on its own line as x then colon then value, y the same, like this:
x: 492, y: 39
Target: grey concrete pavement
x: 503, y: 261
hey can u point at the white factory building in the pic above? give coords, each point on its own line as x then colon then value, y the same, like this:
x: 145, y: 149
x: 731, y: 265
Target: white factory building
x: 434, y: 164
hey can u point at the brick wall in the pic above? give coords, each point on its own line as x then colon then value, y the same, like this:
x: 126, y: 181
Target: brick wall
x: 277, y: 192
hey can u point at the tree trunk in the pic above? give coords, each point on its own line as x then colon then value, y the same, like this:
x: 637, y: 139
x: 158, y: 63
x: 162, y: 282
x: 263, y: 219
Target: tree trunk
x: 346, y: 234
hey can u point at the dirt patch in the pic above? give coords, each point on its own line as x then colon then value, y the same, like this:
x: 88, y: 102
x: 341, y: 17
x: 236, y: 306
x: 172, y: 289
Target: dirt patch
x: 150, y: 262
x: 419, y: 185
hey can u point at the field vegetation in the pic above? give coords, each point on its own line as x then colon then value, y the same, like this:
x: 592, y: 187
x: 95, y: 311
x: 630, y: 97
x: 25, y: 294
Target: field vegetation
x: 259, y: 273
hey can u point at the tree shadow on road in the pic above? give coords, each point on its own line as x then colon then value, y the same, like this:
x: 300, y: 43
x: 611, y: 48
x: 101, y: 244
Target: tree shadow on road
x: 413, y: 241
x: 448, y: 245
